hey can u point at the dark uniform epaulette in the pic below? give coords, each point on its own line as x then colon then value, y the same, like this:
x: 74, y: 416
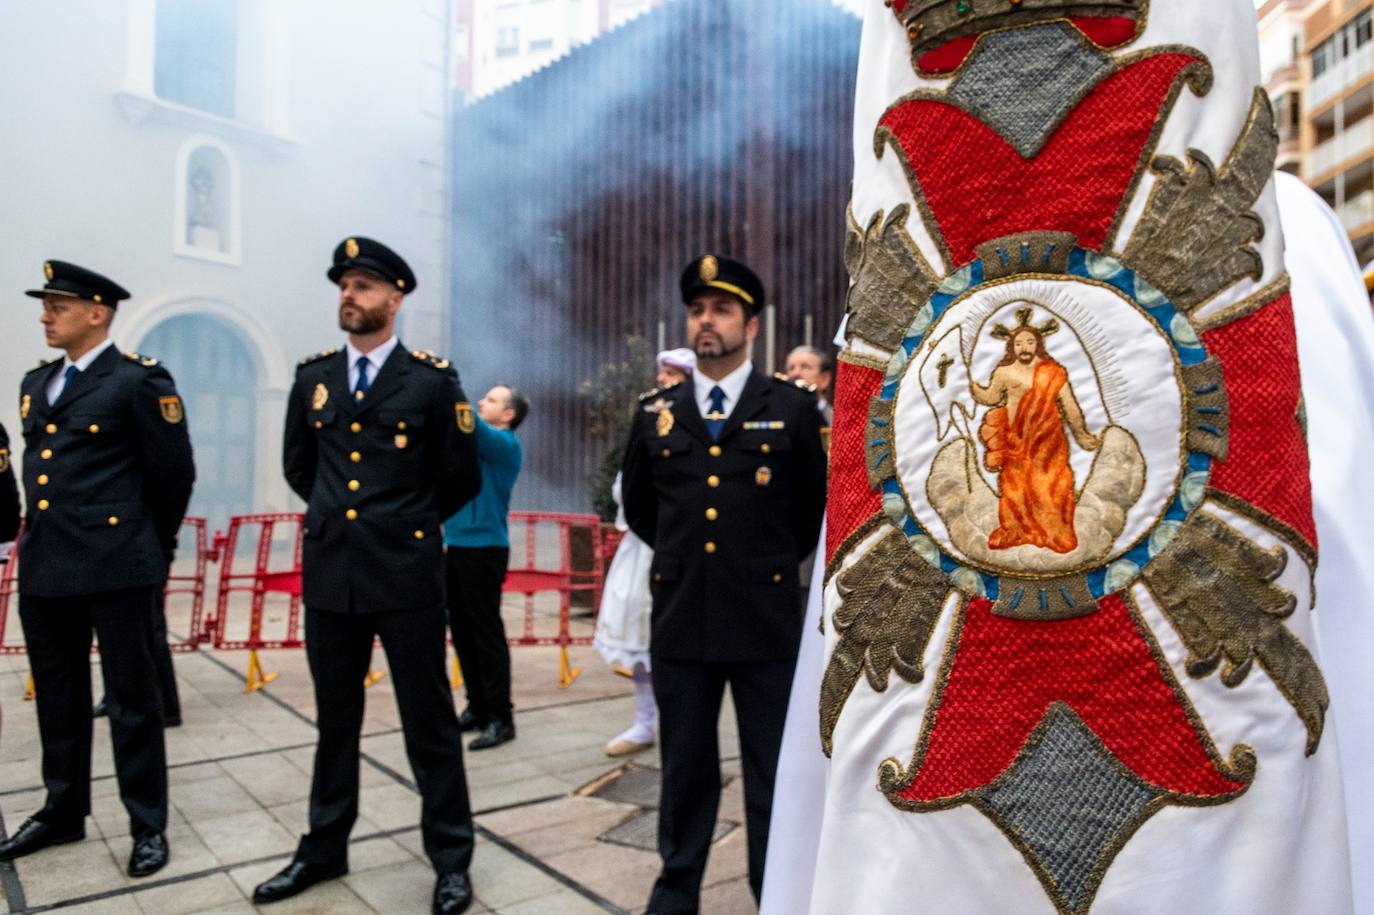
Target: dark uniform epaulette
x: 146, y: 361
x: 425, y: 357
x: 794, y: 383
x: 316, y: 357
x: 42, y: 365
x: 654, y: 392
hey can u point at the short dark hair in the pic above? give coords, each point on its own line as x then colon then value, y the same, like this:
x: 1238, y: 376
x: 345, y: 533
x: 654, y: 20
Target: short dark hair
x: 518, y: 402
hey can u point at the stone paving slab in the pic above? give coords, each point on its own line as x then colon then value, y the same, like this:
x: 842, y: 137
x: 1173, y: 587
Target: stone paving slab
x: 239, y: 775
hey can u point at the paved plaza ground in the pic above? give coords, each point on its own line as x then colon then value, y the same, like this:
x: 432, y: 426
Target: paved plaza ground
x: 562, y: 829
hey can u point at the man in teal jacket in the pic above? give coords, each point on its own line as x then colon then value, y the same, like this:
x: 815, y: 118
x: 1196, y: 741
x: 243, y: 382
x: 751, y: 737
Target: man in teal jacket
x: 478, y: 551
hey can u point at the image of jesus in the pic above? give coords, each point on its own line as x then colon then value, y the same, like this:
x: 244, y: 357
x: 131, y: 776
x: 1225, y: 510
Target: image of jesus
x: 1026, y: 443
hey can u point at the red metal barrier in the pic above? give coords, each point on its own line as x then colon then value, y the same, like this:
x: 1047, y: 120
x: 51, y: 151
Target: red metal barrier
x: 262, y: 580
x: 568, y: 560
x: 11, y: 643
x: 192, y: 584
x: 564, y: 555
x: 9, y: 588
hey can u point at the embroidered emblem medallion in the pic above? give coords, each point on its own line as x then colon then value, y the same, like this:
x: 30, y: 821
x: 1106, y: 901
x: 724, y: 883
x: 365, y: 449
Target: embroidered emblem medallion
x: 171, y: 409
x: 4, y: 460
x: 710, y: 268
x: 1061, y: 421
x: 665, y: 421
x: 320, y: 397
x: 467, y: 420
x: 25, y: 403
x: 351, y: 247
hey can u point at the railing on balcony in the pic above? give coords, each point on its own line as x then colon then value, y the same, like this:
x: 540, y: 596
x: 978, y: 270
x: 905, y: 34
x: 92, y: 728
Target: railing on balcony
x: 1355, y: 140
x: 1340, y: 77
x: 1358, y: 211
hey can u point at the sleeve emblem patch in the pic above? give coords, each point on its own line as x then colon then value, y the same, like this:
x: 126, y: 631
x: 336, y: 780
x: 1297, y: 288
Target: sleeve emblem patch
x: 467, y: 422
x: 171, y: 409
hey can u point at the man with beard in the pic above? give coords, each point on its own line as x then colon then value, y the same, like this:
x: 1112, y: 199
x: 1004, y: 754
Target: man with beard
x: 724, y: 477
x: 379, y: 444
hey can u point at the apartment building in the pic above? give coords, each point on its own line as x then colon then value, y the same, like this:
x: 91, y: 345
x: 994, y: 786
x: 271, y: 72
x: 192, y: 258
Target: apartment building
x: 1318, y: 65
x: 497, y: 42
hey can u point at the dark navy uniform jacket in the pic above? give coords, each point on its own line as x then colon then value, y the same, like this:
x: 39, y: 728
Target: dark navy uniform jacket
x: 9, y: 491
x: 108, y: 472
x: 378, y: 475
x: 728, y: 520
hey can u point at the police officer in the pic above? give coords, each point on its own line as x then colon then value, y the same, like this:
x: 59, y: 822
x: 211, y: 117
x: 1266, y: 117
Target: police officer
x: 724, y: 478
x: 9, y: 499
x: 379, y: 444
x: 107, y: 477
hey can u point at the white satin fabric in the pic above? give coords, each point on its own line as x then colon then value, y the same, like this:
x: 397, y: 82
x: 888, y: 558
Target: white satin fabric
x: 837, y: 845
x: 622, y: 622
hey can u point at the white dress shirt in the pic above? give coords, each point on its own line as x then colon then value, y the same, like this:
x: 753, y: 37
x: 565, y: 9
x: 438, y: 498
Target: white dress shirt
x: 59, y: 381
x: 732, y: 385
x: 375, y: 360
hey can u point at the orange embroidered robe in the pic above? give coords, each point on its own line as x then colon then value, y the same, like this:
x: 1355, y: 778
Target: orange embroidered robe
x: 1031, y: 453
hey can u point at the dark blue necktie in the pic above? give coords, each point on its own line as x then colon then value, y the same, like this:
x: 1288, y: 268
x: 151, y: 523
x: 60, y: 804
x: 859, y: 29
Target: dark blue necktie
x: 361, y: 389
x: 71, y: 372
x: 715, y: 420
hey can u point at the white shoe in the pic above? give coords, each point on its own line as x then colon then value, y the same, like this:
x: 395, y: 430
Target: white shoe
x: 622, y: 747
x: 638, y: 737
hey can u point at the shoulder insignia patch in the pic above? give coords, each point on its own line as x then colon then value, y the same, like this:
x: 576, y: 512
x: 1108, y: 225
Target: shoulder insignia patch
x: 146, y: 361
x: 794, y: 382
x: 425, y: 357
x: 42, y: 365
x: 654, y: 392
x: 4, y: 460
x: 316, y: 357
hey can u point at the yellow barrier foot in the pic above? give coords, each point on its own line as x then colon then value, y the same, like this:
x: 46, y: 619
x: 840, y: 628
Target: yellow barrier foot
x: 623, y: 671
x: 457, y: 673
x: 29, y: 691
x: 372, y: 677
x: 257, y: 679
x: 566, y: 672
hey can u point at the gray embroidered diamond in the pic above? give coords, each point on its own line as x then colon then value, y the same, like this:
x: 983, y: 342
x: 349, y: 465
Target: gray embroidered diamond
x: 1023, y: 82
x: 1066, y: 800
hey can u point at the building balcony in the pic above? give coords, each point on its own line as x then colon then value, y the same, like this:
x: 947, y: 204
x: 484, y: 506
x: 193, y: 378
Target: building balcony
x: 1356, y: 141
x: 1336, y: 80
x: 1357, y: 212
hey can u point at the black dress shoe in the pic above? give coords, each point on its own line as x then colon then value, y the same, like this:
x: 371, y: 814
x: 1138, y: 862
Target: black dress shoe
x: 452, y: 894
x: 101, y: 709
x: 493, y: 735
x: 149, y: 856
x: 468, y: 721
x: 297, y: 877
x: 33, y: 835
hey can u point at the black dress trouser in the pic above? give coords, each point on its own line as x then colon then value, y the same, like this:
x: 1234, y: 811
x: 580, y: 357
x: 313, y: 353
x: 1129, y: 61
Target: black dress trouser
x: 689, y: 695
x: 338, y: 647
x: 57, y: 632
x: 475, y: 577
x: 162, y: 660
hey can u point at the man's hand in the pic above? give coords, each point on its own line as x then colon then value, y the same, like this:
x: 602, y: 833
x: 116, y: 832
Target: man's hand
x: 1086, y: 440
